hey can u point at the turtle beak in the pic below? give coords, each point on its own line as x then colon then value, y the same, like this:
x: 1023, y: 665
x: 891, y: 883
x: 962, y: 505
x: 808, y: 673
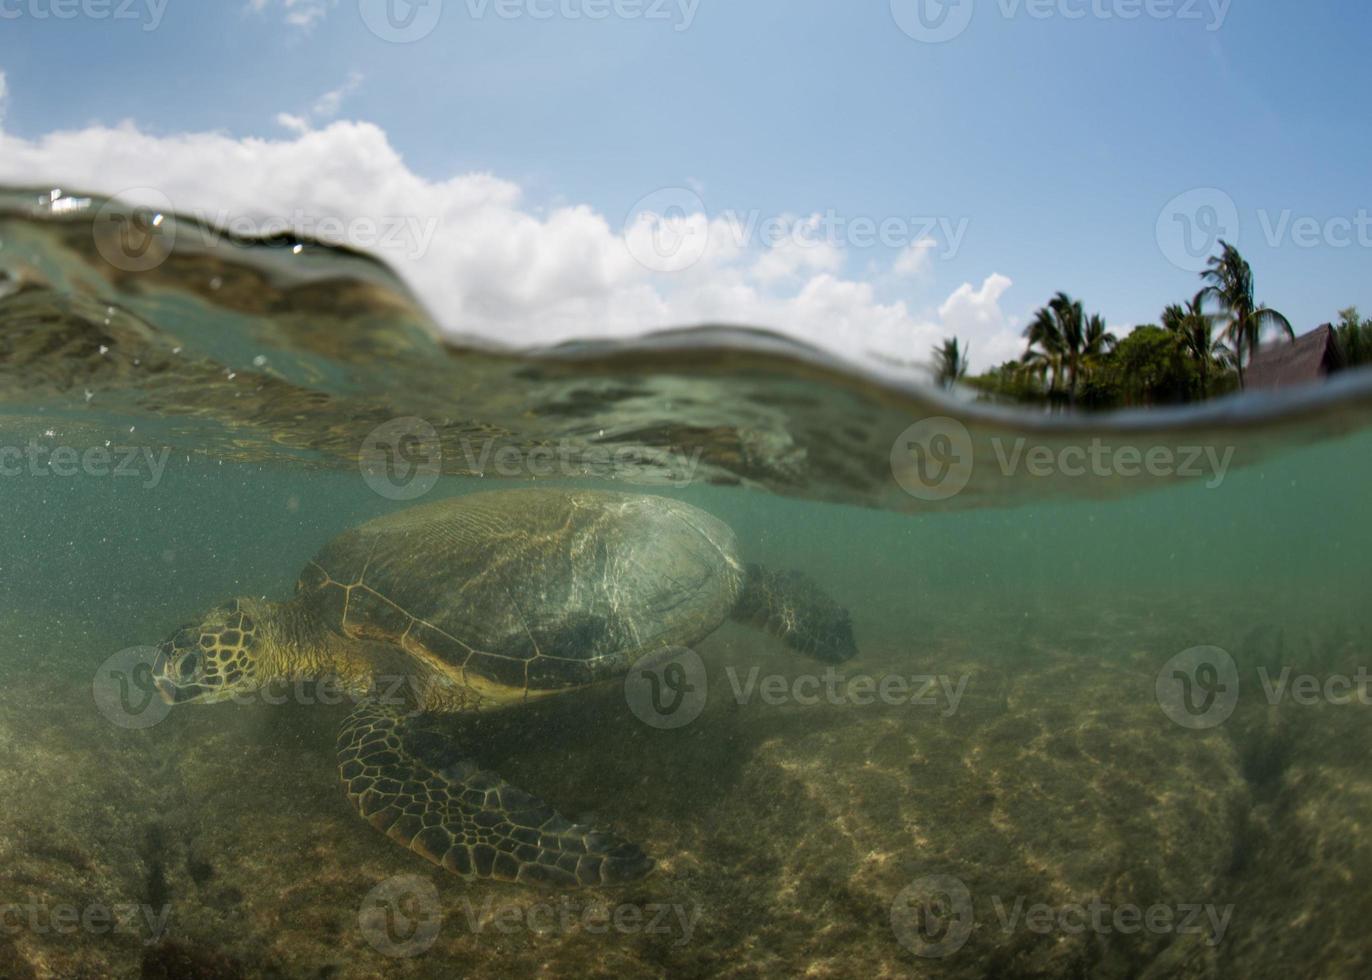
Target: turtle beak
x: 171, y: 691
x: 161, y: 681
x: 166, y: 689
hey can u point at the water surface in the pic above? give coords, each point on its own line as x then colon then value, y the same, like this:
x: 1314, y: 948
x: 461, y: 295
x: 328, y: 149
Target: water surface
x: 254, y: 399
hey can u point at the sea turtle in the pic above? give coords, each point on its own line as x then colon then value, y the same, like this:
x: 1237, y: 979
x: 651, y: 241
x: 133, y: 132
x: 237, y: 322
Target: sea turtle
x: 486, y: 601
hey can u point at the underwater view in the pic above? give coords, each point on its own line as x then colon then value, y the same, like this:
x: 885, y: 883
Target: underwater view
x: 681, y: 490
x: 697, y: 656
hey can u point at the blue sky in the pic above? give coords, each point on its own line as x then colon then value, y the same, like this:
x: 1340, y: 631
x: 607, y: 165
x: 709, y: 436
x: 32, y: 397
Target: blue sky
x: 1050, y: 143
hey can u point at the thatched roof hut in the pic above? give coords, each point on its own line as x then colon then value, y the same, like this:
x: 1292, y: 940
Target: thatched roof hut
x: 1305, y: 360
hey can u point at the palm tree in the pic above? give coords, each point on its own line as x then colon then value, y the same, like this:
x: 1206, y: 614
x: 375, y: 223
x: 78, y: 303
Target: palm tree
x: 950, y: 363
x: 1098, y: 342
x: 1229, y: 281
x: 1062, y: 340
x: 1046, y: 353
x: 1355, y: 337
x: 1194, y: 331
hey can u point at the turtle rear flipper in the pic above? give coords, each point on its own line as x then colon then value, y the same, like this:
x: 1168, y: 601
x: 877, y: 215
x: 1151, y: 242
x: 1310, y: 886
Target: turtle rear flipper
x: 792, y: 606
x: 413, y: 786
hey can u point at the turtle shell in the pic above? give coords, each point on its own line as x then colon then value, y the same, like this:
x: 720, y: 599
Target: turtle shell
x: 533, y: 590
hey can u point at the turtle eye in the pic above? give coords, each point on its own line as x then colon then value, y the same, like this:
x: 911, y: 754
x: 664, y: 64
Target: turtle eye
x: 188, y: 666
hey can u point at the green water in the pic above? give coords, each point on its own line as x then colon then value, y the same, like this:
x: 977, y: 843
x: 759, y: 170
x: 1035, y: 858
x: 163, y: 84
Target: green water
x: 1295, y: 528
x: 826, y: 838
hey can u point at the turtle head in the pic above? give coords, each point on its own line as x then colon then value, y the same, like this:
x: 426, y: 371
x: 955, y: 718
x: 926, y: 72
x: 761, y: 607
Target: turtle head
x: 213, y: 660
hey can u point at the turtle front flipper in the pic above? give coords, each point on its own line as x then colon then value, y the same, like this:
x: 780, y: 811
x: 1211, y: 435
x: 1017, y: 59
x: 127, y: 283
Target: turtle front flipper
x: 792, y: 606
x: 413, y: 785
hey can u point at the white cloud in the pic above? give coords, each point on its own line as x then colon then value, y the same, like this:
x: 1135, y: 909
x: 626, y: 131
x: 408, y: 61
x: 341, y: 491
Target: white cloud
x: 487, y: 263
x: 328, y: 104
x: 975, y: 315
x: 298, y: 13
x: 4, y: 97
x: 325, y: 107
x: 798, y: 252
x: 915, y: 260
x: 296, y: 124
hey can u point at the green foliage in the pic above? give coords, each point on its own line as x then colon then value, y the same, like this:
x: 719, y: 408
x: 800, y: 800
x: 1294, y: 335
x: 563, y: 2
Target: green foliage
x: 1013, y: 381
x: 1070, y: 359
x: 1229, y: 282
x: 1355, y: 338
x: 1064, y: 344
x: 1197, y: 353
x: 1151, y: 367
x: 950, y: 363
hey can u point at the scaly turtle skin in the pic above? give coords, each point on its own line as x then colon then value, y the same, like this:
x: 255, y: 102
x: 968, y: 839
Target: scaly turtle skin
x: 487, y: 601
